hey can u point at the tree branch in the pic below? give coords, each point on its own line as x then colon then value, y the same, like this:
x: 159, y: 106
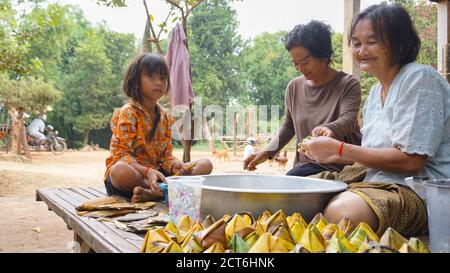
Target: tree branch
x: 153, y: 39
x: 165, y: 23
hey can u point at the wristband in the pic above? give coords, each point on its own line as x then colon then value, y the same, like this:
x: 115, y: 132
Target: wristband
x: 340, y: 149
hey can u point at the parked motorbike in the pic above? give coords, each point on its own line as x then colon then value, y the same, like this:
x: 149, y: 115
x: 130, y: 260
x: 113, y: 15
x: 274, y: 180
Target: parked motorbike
x: 53, y: 142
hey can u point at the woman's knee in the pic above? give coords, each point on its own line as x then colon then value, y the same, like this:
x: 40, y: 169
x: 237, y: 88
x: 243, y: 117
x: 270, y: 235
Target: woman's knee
x: 348, y: 204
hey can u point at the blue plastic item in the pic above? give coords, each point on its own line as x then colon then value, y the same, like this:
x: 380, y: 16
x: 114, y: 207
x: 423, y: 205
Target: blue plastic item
x: 164, y: 188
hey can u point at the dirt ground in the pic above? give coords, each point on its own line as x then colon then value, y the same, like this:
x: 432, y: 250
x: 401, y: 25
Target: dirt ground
x: 28, y: 226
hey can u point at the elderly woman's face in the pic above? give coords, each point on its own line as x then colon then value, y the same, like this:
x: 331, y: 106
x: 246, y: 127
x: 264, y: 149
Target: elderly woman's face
x: 306, y: 64
x: 368, y: 52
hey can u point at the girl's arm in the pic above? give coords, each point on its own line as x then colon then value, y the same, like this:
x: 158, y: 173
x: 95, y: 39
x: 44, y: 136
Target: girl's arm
x: 167, y: 159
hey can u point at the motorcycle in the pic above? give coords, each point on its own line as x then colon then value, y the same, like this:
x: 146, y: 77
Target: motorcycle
x: 53, y: 142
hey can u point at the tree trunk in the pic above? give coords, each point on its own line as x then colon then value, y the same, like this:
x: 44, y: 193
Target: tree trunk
x: 86, y: 137
x: 14, y: 130
x: 23, y: 144
x: 18, y: 134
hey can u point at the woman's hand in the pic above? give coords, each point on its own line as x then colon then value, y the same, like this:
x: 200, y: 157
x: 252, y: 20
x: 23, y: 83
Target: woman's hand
x: 322, y: 131
x: 181, y: 168
x: 323, y: 149
x: 254, y: 159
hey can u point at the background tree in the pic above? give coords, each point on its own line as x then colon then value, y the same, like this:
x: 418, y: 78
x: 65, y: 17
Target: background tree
x: 268, y: 69
x: 215, y: 48
x: 25, y: 95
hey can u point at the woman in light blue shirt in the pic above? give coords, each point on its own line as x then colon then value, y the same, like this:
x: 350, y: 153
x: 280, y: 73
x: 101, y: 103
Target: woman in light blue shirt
x: 406, y: 126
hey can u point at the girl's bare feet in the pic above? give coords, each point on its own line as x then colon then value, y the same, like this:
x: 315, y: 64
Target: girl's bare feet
x: 143, y: 195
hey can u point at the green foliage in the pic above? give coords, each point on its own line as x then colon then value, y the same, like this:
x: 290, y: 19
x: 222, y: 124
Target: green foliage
x: 13, y: 42
x: 33, y: 95
x: 53, y: 26
x: 337, y: 44
x: 215, y: 50
x: 268, y: 69
x: 91, y: 88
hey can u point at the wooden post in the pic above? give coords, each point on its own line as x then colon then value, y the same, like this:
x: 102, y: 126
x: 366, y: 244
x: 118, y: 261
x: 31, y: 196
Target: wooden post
x: 447, y: 62
x: 351, y: 8
x: 235, y: 134
x: 443, y: 30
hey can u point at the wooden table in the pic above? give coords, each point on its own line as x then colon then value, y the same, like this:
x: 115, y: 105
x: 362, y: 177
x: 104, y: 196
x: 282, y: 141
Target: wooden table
x: 90, y: 235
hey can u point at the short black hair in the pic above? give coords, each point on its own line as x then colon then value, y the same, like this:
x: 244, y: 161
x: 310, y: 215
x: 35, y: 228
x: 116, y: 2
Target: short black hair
x: 393, y: 26
x: 147, y: 64
x: 314, y: 36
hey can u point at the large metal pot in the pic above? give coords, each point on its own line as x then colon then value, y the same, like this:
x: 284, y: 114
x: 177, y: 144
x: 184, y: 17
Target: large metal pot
x: 436, y: 194
x: 233, y: 193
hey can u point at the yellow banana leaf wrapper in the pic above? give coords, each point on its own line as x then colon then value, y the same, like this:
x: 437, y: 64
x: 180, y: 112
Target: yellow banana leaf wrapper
x: 277, y: 218
x: 251, y: 238
x: 418, y: 246
x: 172, y: 231
x: 264, y: 216
x: 238, y: 245
x: 191, y: 245
x: 319, y: 221
x: 297, y: 231
x: 209, y: 220
x: 362, y: 231
x: 213, y: 234
x: 172, y: 247
x: 155, y: 241
x: 339, y: 244
x: 312, y: 240
x: 294, y: 218
x: 375, y: 247
x: 189, y: 168
x: 346, y: 226
x: 283, y: 232
x: 393, y: 239
x: 215, y: 248
x: 405, y: 248
x: 328, y: 231
x: 237, y: 223
x: 268, y: 243
x: 184, y: 225
x: 298, y: 248
x: 302, y: 146
x: 259, y: 229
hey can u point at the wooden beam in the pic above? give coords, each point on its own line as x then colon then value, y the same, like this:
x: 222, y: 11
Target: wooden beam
x: 351, y: 8
x: 443, y: 22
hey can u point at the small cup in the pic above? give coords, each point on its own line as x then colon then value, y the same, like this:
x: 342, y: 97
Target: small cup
x: 185, y: 194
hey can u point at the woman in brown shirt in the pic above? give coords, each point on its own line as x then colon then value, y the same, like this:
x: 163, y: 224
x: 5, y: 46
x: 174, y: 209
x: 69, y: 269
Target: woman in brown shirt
x: 321, y: 102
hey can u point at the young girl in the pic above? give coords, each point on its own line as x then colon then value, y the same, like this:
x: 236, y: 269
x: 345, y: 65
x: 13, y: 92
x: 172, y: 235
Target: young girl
x: 141, y: 143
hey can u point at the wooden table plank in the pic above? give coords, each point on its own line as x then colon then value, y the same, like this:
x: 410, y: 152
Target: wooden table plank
x: 99, y: 236
x: 85, y: 194
x: 100, y: 190
x: 56, y: 204
x: 94, y: 194
x: 128, y: 236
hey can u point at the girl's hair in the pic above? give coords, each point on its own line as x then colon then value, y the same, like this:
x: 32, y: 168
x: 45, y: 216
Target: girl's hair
x: 314, y: 36
x: 393, y: 26
x: 144, y: 64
